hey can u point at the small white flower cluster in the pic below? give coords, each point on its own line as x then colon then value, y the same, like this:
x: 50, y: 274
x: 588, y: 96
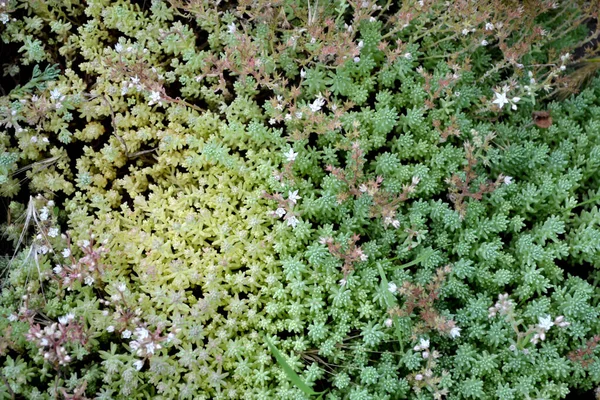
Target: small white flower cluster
x: 132, y: 83
x: 390, y: 221
x: 362, y: 256
x: 155, y: 98
x: 36, y: 139
x: 281, y: 103
x: 423, y: 346
x: 144, y: 344
x: 50, y: 339
x: 317, y: 104
x: 544, y: 325
x: 57, y: 97
x: 455, y: 332
x: 290, y: 156
x: 280, y: 212
x: 293, y: 196
x: 501, y: 98
x: 502, y: 306
x: 564, y: 58
x: 392, y: 287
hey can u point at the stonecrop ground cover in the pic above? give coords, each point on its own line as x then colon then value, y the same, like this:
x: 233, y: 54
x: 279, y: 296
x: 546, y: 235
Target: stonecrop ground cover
x: 299, y: 199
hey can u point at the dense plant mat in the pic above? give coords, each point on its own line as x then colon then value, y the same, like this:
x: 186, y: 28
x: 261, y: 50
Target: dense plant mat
x: 299, y: 199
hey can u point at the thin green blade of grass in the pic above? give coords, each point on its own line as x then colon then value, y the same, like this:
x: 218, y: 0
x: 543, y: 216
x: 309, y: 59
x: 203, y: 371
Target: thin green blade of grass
x: 291, y: 374
x: 390, y: 302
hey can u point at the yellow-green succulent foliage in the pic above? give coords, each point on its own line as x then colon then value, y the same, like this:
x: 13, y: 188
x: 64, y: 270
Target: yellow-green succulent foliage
x: 289, y: 200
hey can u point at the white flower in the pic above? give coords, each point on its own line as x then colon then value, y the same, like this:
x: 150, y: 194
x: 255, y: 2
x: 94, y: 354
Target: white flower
x: 343, y: 282
x: 43, y: 249
x: 118, y: 47
x: 388, y: 322
x: 545, y: 323
x: 392, y: 287
x: 53, y: 232
x: 121, y: 287
x: 89, y: 280
x: 66, y: 318
x: 356, y: 59
x: 111, y: 328
x: 44, y: 342
x: 57, y: 270
x: 317, y: 104
x: 313, y: 40
x: 508, y: 180
x: 141, y: 333
x: 418, y: 377
x: 55, y: 94
x: 425, y: 354
x: 484, y: 42
x: 514, y: 102
x: 138, y: 364
x: 293, y: 196
x: 465, y: 32
x: 455, y: 332
x: 34, y: 139
x: 280, y: 212
x: 408, y: 56
x: 299, y: 114
x: 501, y: 99
x: 150, y: 348
x: 396, y: 224
x: 12, y: 317
x: 288, y: 117
x: 361, y: 44
x: 66, y: 253
x: 292, y: 221
x: 364, y: 257
x: 302, y: 73
x: 44, y: 213
x: 134, y: 344
x: 560, y: 321
x: 4, y: 18
x: 126, y: 334
x: 363, y: 188
x: 424, y: 343
x: 489, y: 26
x: 562, y: 67
x: 231, y: 28
x: 565, y: 57
x: 154, y: 98
x: 272, y: 121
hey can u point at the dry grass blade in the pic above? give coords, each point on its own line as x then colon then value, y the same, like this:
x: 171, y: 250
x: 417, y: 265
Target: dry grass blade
x: 31, y: 214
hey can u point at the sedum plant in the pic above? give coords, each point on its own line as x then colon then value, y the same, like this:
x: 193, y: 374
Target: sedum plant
x: 335, y: 199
